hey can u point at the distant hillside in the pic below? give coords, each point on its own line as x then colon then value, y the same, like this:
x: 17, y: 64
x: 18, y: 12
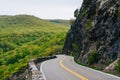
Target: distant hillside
x: 24, y: 37
x: 59, y: 21
x: 21, y: 20
x: 14, y: 23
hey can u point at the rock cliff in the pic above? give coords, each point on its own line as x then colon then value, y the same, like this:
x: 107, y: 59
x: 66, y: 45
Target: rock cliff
x: 94, y: 37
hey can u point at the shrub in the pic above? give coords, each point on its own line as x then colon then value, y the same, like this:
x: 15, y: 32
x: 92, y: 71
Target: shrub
x: 6, y: 46
x: 88, y: 24
x: 118, y: 65
x: 1, y: 51
x: 83, y: 12
x: 75, y: 47
x: 0, y: 62
x: 93, y: 57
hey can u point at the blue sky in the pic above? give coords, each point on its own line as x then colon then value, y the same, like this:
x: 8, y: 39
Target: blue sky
x: 46, y: 9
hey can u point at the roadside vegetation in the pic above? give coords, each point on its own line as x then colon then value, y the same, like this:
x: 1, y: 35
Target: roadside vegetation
x: 93, y: 57
x: 118, y: 65
x: 23, y: 38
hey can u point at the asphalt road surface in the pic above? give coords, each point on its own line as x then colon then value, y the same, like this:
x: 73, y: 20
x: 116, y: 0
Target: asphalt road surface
x: 64, y: 68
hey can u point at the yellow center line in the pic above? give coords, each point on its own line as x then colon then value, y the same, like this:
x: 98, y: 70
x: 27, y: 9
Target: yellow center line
x: 71, y: 71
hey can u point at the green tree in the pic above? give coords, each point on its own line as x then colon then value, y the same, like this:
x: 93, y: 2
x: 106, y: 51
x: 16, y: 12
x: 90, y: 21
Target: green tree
x: 1, y: 51
x: 76, y: 12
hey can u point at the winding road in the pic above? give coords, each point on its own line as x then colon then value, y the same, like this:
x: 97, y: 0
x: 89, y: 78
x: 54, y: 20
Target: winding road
x: 64, y: 68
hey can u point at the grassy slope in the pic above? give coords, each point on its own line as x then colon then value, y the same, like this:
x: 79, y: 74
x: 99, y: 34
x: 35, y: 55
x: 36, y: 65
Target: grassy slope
x: 24, y: 37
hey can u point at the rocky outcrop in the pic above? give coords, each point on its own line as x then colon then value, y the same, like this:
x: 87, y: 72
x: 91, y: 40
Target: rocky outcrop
x: 96, y: 29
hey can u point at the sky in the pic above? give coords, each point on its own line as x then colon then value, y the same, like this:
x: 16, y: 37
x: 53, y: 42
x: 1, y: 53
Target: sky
x: 45, y: 9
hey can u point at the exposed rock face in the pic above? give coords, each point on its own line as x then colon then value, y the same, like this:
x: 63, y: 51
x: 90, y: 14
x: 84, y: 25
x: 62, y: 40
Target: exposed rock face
x: 96, y: 28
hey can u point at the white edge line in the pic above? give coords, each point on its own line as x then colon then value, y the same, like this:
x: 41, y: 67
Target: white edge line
x: 41, y: 66
x: 95, y: 70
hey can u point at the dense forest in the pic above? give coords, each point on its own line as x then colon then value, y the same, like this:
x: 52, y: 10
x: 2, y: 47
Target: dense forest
x: 25, y: 37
